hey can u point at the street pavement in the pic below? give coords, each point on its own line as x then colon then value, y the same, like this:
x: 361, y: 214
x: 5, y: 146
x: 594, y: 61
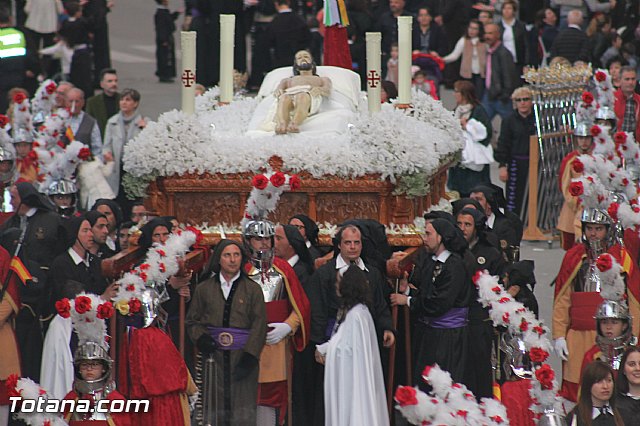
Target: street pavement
x: 133, y: 55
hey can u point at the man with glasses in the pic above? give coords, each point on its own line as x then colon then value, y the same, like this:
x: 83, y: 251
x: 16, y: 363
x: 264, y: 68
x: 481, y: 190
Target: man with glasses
x: 512, y: 152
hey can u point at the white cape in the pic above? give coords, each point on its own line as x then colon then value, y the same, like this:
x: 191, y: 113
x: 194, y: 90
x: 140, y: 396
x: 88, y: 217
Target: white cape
x: 56, y: 371
x: 354, y: 391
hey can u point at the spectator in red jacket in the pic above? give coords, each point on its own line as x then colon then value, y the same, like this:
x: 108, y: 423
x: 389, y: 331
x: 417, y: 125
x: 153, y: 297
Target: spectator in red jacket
x: 627, y: 102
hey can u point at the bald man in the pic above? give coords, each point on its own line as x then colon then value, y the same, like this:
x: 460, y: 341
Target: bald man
x: 85, y: 128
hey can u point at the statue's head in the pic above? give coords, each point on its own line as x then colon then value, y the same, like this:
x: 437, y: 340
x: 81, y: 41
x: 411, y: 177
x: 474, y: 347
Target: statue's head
x: 303, y: 61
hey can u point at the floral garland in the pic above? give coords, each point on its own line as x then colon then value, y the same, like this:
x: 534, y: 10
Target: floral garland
x: 267, y: 190
x: 44, y: 99
x: 392, y: 143
x: 27, y: 389
x: 160, y: 264
x: 448, y: 403
x: 505, y: 311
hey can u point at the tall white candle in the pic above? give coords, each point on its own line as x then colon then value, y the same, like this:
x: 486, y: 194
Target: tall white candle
x: 227, y: 30
x: 374, y: 80
x: 188, y: 76
x: 404, y: 59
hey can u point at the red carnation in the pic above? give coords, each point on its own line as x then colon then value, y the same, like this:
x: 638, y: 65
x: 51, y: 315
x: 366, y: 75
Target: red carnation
x: 545, y: 376
x: 278, y: 179
x: 524, y: 325
x: 625, y: 181
x: 504, y: 300
x: 144, y: 266
x: 143, y: 276
x: 587, y: 98
x: 538, y: 355
x: 620, y: 138
x: 477, y: 276
x: 11, y: 384
x: 19, y: 97
x: 497, y: 419
x: 576, y: 188
x: 601, y: 76
x: 539, y: 330
x: 4, y: 120
x: 83, y: 304
x: 131, y: 287
x: 578, y: 166
x: 51, y: 88
x: 462, y: 413
x: 198, y: 233
x: 84, y: 154
x: 162, y: 268
x: 426, y: 371
x: 63, y: 307
x: 595, y: 131
x: 32, y: 155
x: 161, y: 252
x: 294, y: 182
x: 406, y: 395
x: 260, y: 181
x: 496, y: 289
x: 61, y: 144
x: 505, y: 317
x: 105, y: 310
x: 604, y: 262
x: 134, y: 305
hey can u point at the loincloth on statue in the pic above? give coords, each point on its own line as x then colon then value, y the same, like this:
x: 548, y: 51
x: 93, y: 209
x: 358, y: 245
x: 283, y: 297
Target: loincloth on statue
x: 315, y: 100
x: 268, y: 124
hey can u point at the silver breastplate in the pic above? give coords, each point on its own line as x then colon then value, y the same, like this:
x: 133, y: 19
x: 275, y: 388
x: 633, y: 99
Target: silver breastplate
x: 97, y: 396
x: 271, y: 283
x: 613, y: 349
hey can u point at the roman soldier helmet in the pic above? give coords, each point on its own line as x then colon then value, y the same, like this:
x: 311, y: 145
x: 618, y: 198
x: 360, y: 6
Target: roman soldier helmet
x: 607, y: 115
x: 259, y: 228
x: 63, y: 187
x: 517, y: 361
x: 591, y: 215
x: 551, y: 418
x: 22, y: 135
x: 7, y: 153
x: 582, y: 129
x: 92, y: 351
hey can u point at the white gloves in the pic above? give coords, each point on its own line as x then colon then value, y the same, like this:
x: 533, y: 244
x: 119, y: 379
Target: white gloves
x: 279, y: 332
x: 560, y: 346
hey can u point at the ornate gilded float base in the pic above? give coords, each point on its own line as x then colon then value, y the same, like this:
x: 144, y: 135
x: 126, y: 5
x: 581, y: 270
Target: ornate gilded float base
x: 221, y: 198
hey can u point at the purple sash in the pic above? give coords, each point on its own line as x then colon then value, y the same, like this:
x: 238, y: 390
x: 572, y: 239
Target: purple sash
x: 454, y: 318
x: 229, y: 339
x: 331, y: 322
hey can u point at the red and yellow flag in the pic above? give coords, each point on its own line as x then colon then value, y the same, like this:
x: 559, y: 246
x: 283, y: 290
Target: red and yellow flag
x: 69, y: 134
x: 21, y: 271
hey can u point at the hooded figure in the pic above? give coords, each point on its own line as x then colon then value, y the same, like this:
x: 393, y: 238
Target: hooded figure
x: 29, y: 196
x: 520, y: 283
x: 463, y: 202
x: 506, y: 225
x: 438, y: 214
x: 115, y: 209
x: 297, y: 242
x: 214, y: 263
x: 146, y: 232
x: 441, y: 302
x: 311, y: 235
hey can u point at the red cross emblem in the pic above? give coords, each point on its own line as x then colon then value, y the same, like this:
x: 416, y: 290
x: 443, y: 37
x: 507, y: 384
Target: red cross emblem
x: 373, y: 79
x: 188, y: 78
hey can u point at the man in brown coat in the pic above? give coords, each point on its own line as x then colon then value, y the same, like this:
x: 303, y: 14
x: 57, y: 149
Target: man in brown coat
x: 227, y: 320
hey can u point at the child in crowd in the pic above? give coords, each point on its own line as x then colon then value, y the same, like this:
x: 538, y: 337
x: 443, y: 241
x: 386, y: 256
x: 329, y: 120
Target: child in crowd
x: 392, y: 65
x: 422, y: 83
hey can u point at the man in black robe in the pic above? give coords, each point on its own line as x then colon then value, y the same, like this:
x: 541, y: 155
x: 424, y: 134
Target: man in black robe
x: 43, y: 238
x: 290, y: 246
x: 227, y: 321
x: 486, y: 255
x: 441, y: 302
x: 77, y: 269
x: 207, y: 26
x: 325, y: 303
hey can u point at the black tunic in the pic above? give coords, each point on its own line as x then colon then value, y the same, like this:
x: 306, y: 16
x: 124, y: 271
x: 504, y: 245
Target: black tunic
x: 629, y: 409
x: 70, y: 279
x: 437, y: 294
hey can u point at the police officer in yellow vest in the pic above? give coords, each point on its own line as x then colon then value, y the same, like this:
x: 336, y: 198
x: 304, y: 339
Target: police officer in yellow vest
x: 13, y: 54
